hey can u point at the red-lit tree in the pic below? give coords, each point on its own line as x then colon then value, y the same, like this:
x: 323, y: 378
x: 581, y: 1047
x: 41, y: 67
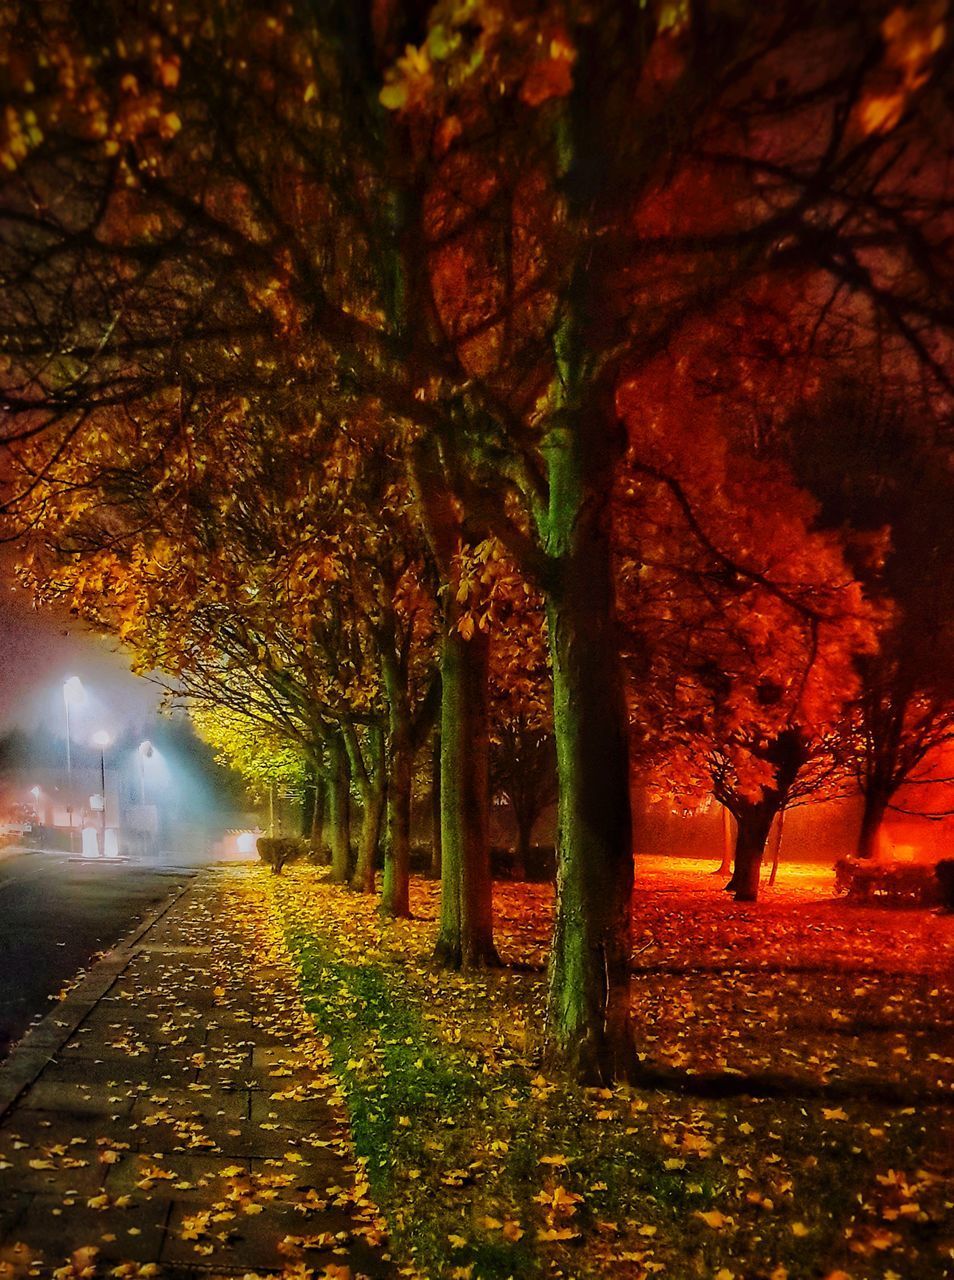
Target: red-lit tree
x: 744, y: 620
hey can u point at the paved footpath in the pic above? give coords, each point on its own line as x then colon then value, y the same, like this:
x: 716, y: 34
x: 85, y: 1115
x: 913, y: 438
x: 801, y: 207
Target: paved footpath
x: 174, y: 1113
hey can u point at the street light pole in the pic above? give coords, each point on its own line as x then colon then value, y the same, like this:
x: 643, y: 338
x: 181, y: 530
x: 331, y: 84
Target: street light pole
x: 102, y: 740
x: 69, y: 779
x: 72, y: 692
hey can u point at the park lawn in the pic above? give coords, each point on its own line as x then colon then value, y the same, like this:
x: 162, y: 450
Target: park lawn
x: 795, y: 1119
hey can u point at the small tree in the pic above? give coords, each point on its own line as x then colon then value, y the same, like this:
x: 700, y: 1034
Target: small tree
x: 744, y: 622
x: 523, y: 772
x: 262, y: 759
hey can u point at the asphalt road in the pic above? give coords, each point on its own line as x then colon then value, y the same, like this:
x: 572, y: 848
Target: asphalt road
x: 55, y: 915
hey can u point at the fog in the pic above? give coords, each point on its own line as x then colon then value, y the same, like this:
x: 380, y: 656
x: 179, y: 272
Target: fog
x: 193, y: 798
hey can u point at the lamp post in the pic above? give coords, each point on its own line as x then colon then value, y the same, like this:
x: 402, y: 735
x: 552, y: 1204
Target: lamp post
x: 102, y: 740
x: 73, y: 695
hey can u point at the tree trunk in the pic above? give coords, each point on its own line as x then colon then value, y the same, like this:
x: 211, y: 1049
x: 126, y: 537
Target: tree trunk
x: 371, y: 783
x: 755, y: 821
x: 465, y: 930
x: 436, y: 808
x: 872, y: 818
x: 395, y: 893
x: 786, y: 754
x: 588, y: 1007
x: 725, y: 866
x: 777, y: 846
x: 317, y: 833
x: 524, y: 822
x: 309, y: 802
x: 465, y: 935
x: 339, y: 813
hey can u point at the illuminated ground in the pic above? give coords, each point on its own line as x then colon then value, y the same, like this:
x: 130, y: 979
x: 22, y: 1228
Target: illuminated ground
x: 794, y: 1118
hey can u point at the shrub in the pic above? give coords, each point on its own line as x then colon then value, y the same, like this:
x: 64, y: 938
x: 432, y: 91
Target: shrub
x: 276, y: 851
x: 945, y: 878
x: 891, y: 884
x: 540, y: 864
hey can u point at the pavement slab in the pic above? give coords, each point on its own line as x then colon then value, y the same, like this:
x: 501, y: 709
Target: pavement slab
x: 176, y: 1109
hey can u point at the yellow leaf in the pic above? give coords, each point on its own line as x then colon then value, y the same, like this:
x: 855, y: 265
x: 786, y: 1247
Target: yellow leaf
x: 393, y: 96
x: 712, y: 1218
x: 834, y: 1113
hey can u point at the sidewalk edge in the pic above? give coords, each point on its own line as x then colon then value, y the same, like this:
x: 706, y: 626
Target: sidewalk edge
x: 47, y: 1037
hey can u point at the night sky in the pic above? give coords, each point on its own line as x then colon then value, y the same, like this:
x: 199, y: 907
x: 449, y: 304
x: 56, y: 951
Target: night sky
x: 40, y: 650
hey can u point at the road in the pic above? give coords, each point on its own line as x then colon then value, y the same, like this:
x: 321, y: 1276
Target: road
x: 56, y: 913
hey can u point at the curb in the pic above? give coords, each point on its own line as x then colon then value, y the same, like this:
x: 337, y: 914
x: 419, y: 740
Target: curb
x: 45, y: 1040
x: 12, y: 851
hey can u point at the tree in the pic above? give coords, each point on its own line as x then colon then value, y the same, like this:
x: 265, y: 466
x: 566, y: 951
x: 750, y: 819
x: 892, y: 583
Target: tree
x: 523, y: 752
x: 558, y: 283
x: 744, y: 621
x: 261, y: 761
x: 523, y: 772
x: 272, y: 625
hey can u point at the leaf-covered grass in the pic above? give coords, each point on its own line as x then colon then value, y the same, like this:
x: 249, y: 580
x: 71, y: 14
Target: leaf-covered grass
x: 795, y: 1120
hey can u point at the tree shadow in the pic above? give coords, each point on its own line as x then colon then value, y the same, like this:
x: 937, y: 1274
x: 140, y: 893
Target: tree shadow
x: 768, y: 1084
x: 728, y: 969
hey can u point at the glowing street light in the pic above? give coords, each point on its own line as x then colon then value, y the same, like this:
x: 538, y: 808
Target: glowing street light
x: 73, y: 691
x: 102, y: 740
x: 73, y: 695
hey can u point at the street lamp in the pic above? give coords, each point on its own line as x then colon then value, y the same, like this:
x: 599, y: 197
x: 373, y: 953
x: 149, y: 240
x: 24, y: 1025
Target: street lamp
x: 102, y: 740
x: 73, y: 695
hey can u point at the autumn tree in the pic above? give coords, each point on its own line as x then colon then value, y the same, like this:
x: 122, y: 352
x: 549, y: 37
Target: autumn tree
x: 522, y: 752
x: 262, y: 761
x: 568, y: 245
x: 301, y: 610
x: 744, y: 620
